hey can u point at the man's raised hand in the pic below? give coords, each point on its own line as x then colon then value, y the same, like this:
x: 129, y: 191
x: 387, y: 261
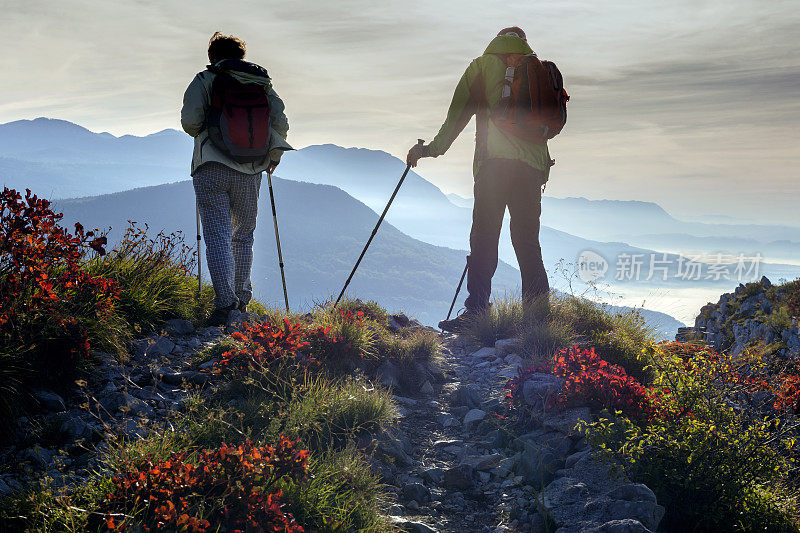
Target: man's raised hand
x: 417, y: 152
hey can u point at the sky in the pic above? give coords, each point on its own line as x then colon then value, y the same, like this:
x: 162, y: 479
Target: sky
x: 694, y: 104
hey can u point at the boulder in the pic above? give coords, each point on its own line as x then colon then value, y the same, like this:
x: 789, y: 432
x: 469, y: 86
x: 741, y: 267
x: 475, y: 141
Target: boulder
x: 565, y: 421
x: 38, y: 456
x: 537, y: 465
x: 633, y: 492
x: 539, y: 387
x: 411, y: 526
x: 458, y: 477
x: 504, y: 346
x: 484, y: 353
x: 154, y: 347
x: 433, y: 475
x: 178, y: 326
x: 513, y: 360
x: 417, y: 492
x: 648, y: 513
x: 49, y: 400
x: 399, y: 321
x: 171, y: 377
x: 473, y: 416
x: 388, y: 375
x: 73, y: 426
x: 467, y: 395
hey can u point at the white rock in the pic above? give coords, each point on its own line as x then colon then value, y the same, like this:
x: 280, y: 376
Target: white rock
x: 485, y: 353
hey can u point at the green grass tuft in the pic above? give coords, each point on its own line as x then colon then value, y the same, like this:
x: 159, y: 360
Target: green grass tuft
x: 344, y: 495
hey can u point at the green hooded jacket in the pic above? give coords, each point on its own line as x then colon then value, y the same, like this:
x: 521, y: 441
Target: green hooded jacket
x: 478, y: 93
x: 196, y: 102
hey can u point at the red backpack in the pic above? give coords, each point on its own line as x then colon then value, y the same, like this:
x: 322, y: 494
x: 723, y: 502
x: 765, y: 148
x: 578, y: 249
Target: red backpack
x: 533, y: 102
x: 238, y: 120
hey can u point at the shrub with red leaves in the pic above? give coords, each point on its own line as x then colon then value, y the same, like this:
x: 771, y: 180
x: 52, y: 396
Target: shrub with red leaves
x: 45, y: 295
x: 596, y: 383
x: 231, y: 487
x: 589, y: 381
x: 263, y: 344
x: 787, y: 393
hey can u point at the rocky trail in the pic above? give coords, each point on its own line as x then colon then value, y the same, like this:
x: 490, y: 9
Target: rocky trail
x: 457, y: 466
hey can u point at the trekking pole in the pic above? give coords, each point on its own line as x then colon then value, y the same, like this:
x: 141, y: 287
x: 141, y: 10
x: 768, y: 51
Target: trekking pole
x: 199, y: 257
x: 278, y: 240
x: 458, y: 289
x: 420, y: 142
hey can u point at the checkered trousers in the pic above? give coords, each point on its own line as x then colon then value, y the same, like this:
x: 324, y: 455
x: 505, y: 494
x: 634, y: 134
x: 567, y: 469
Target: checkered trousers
x: 228, y: 203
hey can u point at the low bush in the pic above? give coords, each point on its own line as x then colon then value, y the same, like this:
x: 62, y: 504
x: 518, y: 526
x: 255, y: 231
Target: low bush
x: 503, y: 319
x: 231, y: 487
x: 713, y: 465
x: 262, y: 345
x: 547, y: 325
x: 50, y: 308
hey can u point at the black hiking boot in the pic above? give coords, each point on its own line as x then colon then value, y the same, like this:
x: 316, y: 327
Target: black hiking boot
x: 459, y: 323
x: 220, y: 316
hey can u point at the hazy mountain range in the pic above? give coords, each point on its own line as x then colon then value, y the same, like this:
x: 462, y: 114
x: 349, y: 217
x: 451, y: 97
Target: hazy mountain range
x: 59, y: 159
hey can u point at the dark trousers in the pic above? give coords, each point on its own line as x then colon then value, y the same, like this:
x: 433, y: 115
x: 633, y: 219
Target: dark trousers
x: 501, y: 183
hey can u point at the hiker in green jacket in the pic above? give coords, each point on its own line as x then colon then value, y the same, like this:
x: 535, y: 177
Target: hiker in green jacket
x: 228, y: 161
x: 508, y: 171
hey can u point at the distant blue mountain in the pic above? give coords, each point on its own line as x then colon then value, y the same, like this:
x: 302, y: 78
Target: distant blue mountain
x: 59, y: 159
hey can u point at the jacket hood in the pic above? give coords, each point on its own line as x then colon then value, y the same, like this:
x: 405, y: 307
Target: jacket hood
x: 243, y: 71
x: 508, y: 44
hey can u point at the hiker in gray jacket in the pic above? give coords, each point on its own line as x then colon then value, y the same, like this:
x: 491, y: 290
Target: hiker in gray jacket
x: 239, y: 129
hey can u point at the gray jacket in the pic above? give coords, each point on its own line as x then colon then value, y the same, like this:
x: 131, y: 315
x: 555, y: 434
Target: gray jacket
x: 196, y: 102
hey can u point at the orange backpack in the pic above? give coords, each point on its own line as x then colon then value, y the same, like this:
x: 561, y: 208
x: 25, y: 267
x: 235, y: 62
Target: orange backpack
x: 533, y: 102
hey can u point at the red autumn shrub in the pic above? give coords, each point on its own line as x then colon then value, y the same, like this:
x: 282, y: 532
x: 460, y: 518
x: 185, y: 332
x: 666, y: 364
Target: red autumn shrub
x: 787, y: 393
x: 230, y: 488
x: 589, y: 381
x: 598, y: 384
x: 263, y: 344
x: 46, y: 298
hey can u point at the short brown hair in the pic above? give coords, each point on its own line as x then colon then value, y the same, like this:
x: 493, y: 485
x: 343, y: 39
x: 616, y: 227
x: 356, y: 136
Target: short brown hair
x: 225, y: 47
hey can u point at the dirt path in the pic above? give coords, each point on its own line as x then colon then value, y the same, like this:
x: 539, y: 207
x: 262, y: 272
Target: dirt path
x: 458, y: 476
